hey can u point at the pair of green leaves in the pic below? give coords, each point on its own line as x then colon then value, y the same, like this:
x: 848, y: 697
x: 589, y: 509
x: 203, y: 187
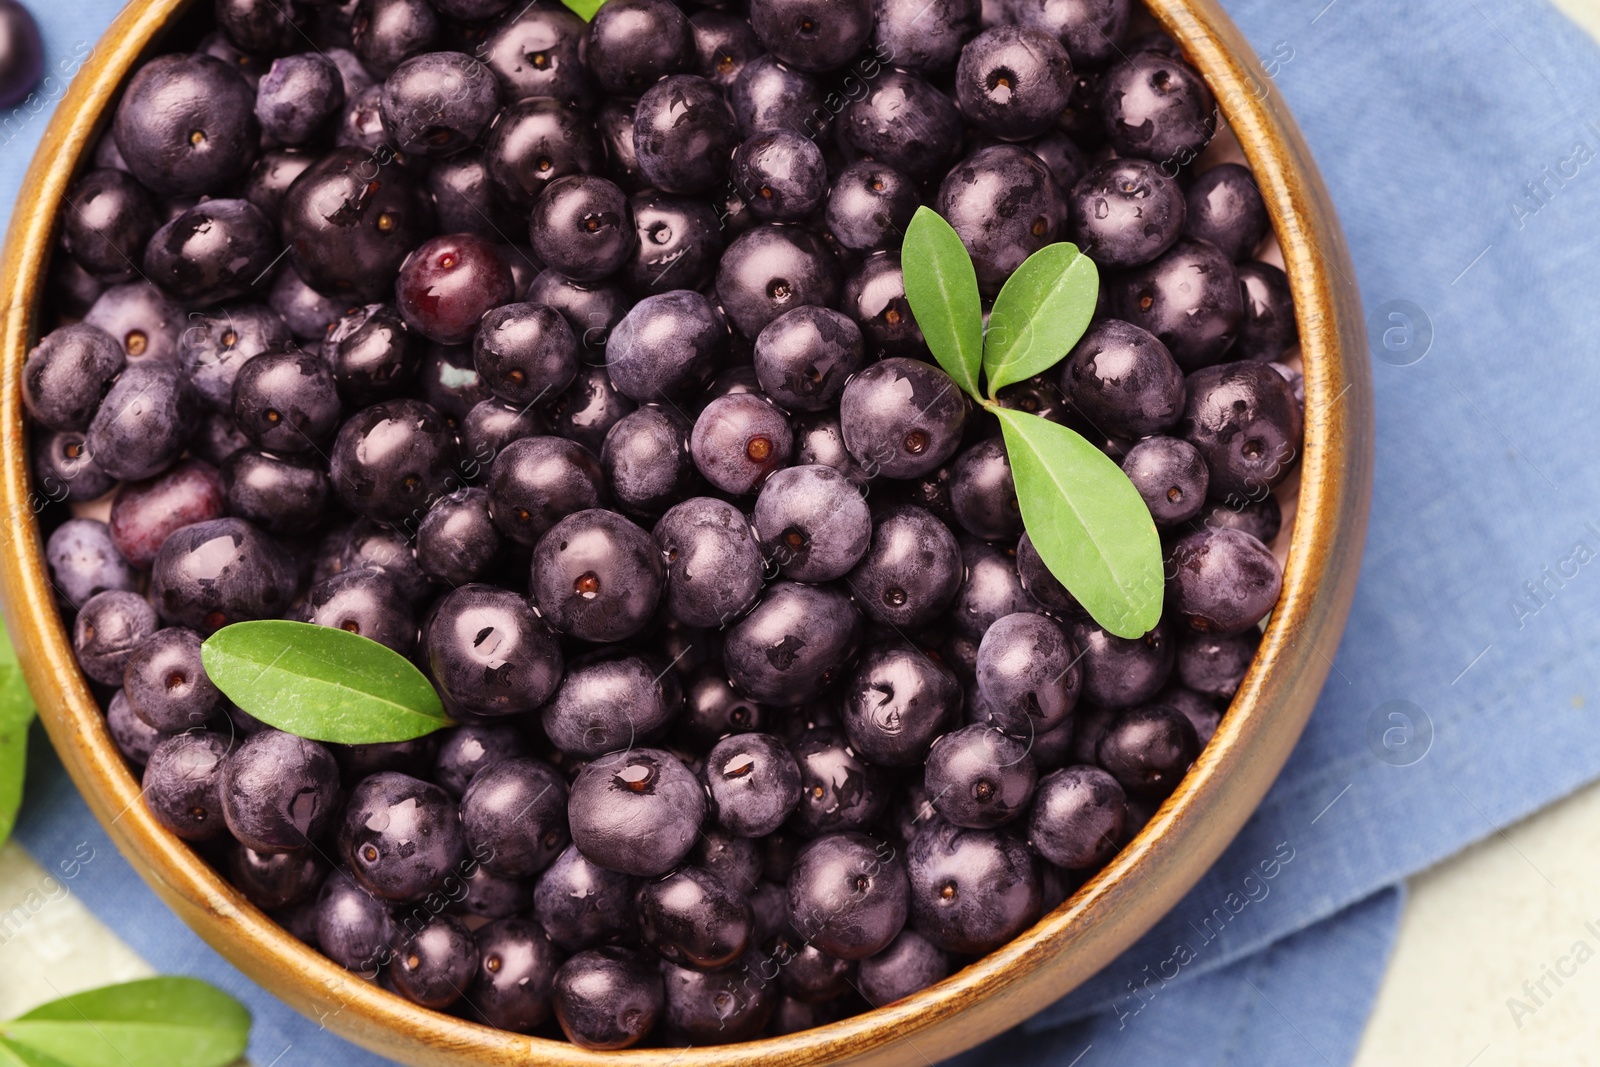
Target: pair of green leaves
x: 16, y: 714
x: 584, y: 9
x: 153, y: 1022
x: 1084, y: 517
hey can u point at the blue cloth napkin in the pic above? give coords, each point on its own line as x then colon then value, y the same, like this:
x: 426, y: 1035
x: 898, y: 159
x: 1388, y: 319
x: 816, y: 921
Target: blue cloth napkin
x: 1462, y: 147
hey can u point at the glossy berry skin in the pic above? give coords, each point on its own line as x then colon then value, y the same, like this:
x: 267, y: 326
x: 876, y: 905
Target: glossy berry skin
x: 348, y: 231
x: 390, y: 461
x: 795, y: 643
x: 217, y: 343
x: 608, y: 998
x: 1155, y: 106
x: 1223, y: 581
x: 182, y: 785
x: 488, y: 427
x: 514, y: 816
x: 983, y: 494
x: 274, y: 881
x: 1226, y: 209
x: 911, y: 962
x: 1244, y: 420
x: 449, y: 282
x: 144, y: 514
x: 684, y: 134
x: 21, y: 54
x: 1171, y: 477
x: 647, y: 462
x: 971, y: 890
x: 1147, y: 749
x: 165, y: 684
x: 1012, y: 81
x: 298, y: 97
x: 980, y: 778
x: 692, y: 919
x: 537, y: 481
x: 108, y: 629
x: 186, y: 125
x: 818, y: 440
x: 279, y: 791
x: 638, y: 42
x: 1126, y: 212
x: 911, y: 571
x: 1268, y: 328
x: 286, y: 401
x: 64, y: 468
x: 1124, y: 380
x: 432, y: 966
x: 539, y: 52
x: 666, y: 347
x: 310, y: 315
x: 769, y: 270
x: 738, y: 441
x: 679, y: 240
x: 781, y: 175
x: 143, y: 423
x: 714, y: 566
x: 580, y: 904
x: 490, y: 653
x: 1078, y: 818
x: 400, y: 836
x: 1261, y: 519
x: 1119, y: 672
x: 610, y: 701
x: 457, y: 541
x: 1028, y: 673
x: 471, y: 747
x: 223, y: 571
x: 438, y: 103
x: 809, y: 37
x: 637, y: 811
x: 532, y: 143
x: 372, y: 354
x: 812, y: 523
x: 713, y: 709
x: 597, y: 576
x: 525, y: 352
x: 67, y: 374
x: 703, y: 1007
x: 902, y: 418
x: 903, y: 122
x: 515, y: 967
x: 991, y: 591
x: 583, y: 227
x: 1189, y: 298
x: 754, y: 783
x: 1214, y: 666
x: 1004, y: 204
x: 869, y: 206
x: 108, y: 218
x: 921, y: 38
x: 363, y: 601
x: 769, y: 95
x: 384, y: 32
x: 84, y: 561
x: 142, y: 317
x: 369, y: 546
x: 897, y: 702
x: 804, y: 357
x: 353, y: 926
x: 848, y: 895
x: 839, y: 790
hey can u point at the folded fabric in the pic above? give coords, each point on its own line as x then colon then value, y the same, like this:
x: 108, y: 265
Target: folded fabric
x: 1457, y: 142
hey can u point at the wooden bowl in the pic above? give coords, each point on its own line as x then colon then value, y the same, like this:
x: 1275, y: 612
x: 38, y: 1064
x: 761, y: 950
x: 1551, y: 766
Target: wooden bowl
x: 1062, y: 949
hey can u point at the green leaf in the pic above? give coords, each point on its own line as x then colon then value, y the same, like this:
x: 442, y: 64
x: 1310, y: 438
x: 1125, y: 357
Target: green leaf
x: 942, y: 289
x: 14, y: 1055
x: 1087, y: 521
x: 153, y: 1022
x: 1041, y: 311
x: 322, y: 683
x: 584, y: 9
x: 16, y: 713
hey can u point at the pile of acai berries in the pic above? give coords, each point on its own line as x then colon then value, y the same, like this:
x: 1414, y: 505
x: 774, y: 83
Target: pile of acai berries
x: 572, y: 359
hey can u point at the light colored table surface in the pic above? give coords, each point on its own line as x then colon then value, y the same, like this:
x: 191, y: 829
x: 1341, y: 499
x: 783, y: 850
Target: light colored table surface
x: 1497, y: 965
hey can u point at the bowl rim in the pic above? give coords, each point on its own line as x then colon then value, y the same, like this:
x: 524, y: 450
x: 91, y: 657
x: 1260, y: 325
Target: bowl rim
x: 1060, y: 951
